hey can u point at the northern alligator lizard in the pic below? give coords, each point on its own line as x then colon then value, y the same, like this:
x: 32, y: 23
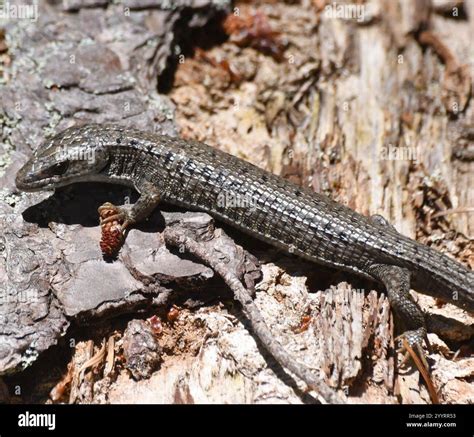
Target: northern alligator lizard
x: 308, y: 224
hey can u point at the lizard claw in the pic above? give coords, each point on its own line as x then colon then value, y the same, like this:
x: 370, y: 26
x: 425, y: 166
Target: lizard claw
x: 415, y: 351
x: 114, y: 222
x: 413, y: 339
x: 109, y: 213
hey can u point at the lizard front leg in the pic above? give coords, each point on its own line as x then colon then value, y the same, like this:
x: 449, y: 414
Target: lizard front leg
x: 116, y: 220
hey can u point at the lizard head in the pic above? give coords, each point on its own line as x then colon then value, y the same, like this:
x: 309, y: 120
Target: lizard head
x: 75, y: 155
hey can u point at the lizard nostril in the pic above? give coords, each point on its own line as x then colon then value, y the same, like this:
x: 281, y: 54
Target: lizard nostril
x: 24, y: 177
x: 20, y: 176
x: 19, y: 181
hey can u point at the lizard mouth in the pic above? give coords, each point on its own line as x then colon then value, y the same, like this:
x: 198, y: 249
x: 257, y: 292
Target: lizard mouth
x: 27, y: 180
x: 24, y: 185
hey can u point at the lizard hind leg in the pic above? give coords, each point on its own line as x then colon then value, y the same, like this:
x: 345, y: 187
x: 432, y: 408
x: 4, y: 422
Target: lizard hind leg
x: 397, y: 283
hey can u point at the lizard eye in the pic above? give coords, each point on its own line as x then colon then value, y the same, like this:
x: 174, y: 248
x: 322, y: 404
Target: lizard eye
x: 59, y: 168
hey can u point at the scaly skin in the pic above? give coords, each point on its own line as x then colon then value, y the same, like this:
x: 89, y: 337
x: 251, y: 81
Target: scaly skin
x: 197, y: 176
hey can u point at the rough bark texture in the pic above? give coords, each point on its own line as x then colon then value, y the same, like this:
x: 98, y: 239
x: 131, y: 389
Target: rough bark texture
x: 374, y: 110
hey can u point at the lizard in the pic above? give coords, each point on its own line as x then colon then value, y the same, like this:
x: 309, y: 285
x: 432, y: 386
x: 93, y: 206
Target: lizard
x: 310, y: 225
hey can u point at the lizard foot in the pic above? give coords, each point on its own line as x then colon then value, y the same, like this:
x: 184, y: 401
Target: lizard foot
x: 108, y: 213
x: 414, y: 339
x: 412, y: 346
x: 114, y: 222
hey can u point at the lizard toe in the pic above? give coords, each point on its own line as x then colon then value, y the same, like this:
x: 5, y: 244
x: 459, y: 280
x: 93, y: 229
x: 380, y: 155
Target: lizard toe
x: 414, y: 340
